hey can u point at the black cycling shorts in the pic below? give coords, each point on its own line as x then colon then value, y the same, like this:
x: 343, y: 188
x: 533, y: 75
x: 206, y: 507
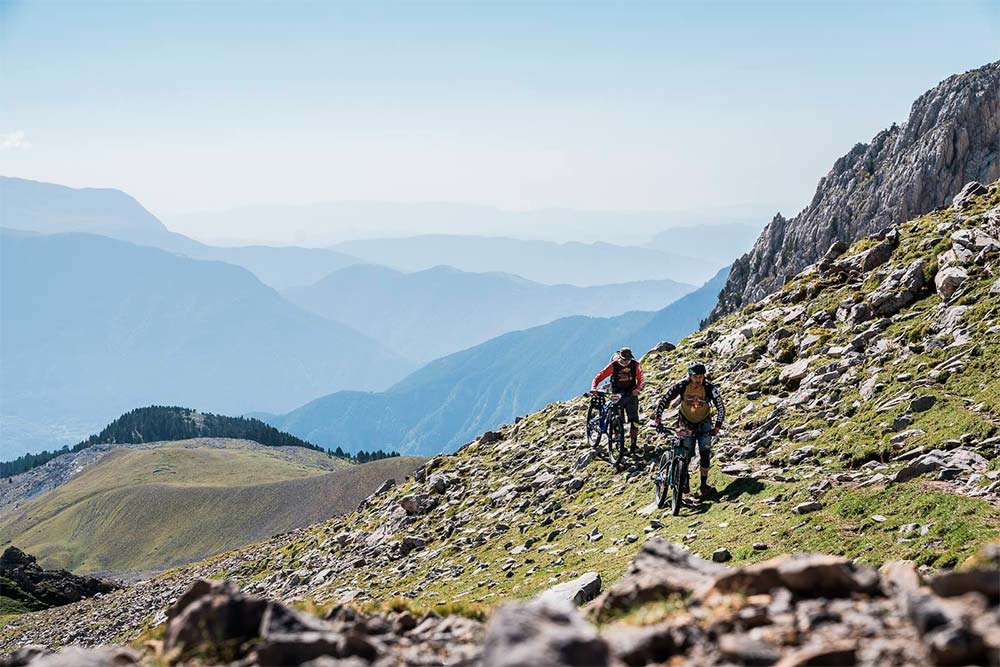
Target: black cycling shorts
x: 631, y: 405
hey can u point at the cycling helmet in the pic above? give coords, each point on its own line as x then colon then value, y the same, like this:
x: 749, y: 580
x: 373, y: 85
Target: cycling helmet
x: 696, y: 369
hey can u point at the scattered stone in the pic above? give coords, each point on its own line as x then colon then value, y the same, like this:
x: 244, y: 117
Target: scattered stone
x: 411, y: 543
x: 967, y: 195
x: 923, y: 403
x: 659, y: 570
x: 793, y: 373
x: 418, y: 503
x: 949, y: 280
x: 721, y: 555
x: 806, y: 575
x: 807, y: 507
x: 582, y: 589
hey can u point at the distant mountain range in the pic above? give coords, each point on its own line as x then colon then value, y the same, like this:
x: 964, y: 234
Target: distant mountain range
x: 582, y: 264
x: 48, y: 208
x: 452, y: 399
x: 130, y: 313
x: 438, y: 311
x: 94, y: 326
x: 329, y: 223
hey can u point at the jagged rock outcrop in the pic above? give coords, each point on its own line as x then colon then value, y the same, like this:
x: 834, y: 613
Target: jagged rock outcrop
x: 23, y: 578
x: 951, y: 137
x: 801, y: 610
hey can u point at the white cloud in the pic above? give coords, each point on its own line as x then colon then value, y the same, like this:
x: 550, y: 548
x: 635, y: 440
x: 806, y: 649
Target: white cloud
x: 14, y: 141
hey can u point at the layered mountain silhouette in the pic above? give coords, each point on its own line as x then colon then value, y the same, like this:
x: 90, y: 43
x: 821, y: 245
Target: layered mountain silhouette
x: 438, y: 311
x: 452, y: 399
x: 329, y: 223
x: 127, y: 314
x: 48, y: 208
x: 94, y: 326
x: 542, y: 261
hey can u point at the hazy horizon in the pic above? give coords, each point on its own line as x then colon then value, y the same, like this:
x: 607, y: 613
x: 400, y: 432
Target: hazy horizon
x: 326, y: 224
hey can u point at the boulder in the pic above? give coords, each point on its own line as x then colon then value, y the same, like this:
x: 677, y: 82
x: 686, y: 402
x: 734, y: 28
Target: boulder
x: 948, y: 281
x: 542, y: 633
x: 900, y: 576
x: 950, y: 319
x: 213, y: 613
x: 805, y: 575
x: 899, y: 289
x: 808, y: 507
x: 961, y: 460
x: 869, y: 259
x: 417, y: 503
x: 977, y: 580
x: 721, y: 555
x: 659, y: 569
x: 643, y: 645
x: 582, y: 589
x: 411, y: 543
x: 438, y: 483
x: 793, y: 373
x: 923, y: 403
x: 967, y: 194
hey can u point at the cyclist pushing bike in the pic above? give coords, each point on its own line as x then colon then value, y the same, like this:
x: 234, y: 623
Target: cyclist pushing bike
x: 694, y: 418
x: 626, y: 379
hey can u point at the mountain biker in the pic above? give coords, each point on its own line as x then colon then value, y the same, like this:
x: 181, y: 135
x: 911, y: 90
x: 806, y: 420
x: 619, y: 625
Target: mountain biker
x: 694, y: 417
x: 626, y: 379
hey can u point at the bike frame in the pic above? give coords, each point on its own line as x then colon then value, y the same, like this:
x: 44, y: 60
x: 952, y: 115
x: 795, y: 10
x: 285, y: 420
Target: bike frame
x: 678, y: 452
x: 605, y: 410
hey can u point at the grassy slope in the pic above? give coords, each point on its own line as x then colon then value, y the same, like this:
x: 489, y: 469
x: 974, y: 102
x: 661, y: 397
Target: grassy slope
x: 472, y: 556
x: 159, y: 507
x: 750, y: 510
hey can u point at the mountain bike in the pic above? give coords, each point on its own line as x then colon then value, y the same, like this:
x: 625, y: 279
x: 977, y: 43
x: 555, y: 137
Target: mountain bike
x: 671, y: 472
x: 606, y: 415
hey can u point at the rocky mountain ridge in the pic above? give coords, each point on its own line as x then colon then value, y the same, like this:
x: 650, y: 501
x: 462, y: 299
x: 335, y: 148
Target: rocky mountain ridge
x: 864, y: 412
x: 951, y: 137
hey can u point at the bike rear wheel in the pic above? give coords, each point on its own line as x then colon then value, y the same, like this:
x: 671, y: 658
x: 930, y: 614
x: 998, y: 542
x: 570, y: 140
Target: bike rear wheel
x: 593, y: 427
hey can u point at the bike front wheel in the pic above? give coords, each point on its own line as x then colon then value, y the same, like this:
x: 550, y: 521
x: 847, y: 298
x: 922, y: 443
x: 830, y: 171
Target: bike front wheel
x: 616, y: 438
x: 660, y: 480
x: 681, y: 466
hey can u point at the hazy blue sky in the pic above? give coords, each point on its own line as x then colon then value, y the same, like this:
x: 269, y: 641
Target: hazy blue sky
x: 638, y: 106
